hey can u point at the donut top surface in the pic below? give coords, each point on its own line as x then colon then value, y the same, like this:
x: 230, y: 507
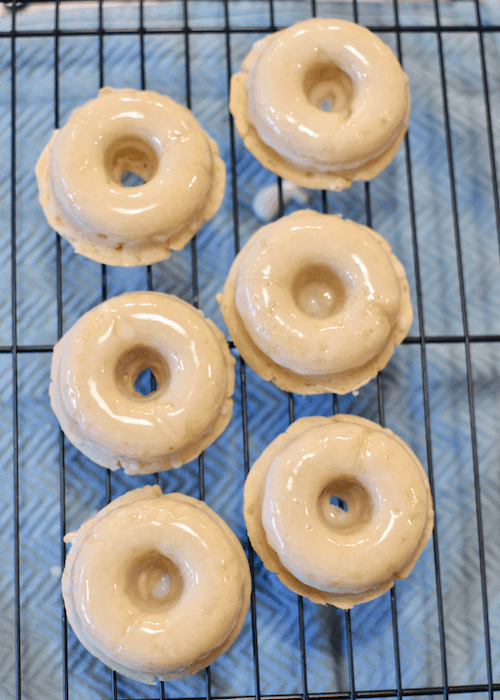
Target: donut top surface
x: 387, y: 503
x: 142, y: 132
x: 102, y: 139
x: 103, y: 353
x: 338, y: 507
x: 155, y: 584
x: 318, y: 294
x: 321, y: 103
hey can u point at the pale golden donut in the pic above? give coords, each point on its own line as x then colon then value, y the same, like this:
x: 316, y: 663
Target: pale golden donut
x: 79, y: 177
x: 96, y: 363
x: 316, y: 304
x: 317, y: 549
x: 156, y: 586
x: 288, y: 77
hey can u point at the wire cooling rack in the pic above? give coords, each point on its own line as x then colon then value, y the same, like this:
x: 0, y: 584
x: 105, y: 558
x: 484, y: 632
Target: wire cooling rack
x: 436, y: 633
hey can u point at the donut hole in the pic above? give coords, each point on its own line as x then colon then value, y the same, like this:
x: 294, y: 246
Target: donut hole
x: 154, y: 582
x: 141, y: 372
x: 145, y: 383
x: 129, y: 179
x: 319, y: 291
x: 328, y: 88
x: 339, y: 503
x: 345, y: 505
x: 131, y: 162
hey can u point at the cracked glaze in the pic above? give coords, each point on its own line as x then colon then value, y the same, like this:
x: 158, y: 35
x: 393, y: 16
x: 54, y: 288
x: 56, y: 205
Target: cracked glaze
x: 156, y: 586
x: 322, y: 545
x: 347, y: 552
x: 96, y: 363
x: 79, y: 175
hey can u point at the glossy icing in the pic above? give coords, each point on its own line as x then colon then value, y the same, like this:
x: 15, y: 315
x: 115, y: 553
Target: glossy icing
x: 80, y: 170
x: 363, y: 284
x: 316, y: 548
x: 316, y: 303
x: 156, y: 586
x: 96, y: 363
x: 322, y: 103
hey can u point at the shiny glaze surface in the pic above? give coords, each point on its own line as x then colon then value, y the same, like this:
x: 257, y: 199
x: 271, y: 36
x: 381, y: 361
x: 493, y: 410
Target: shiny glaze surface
x: 387, y: 506
x: 168, y: 628
x: 93, y: 381
x: 78, y: 158
x: 287, y: 116
x: 129, y: 130
x: 352, y: 331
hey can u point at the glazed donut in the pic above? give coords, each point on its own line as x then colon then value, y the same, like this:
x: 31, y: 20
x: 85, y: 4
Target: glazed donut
x: 322, y: 103
x: 316, y: 304
x: 318, y: 550
x: 79, y: 177
x: 95, y: 366
x: 156, y: 586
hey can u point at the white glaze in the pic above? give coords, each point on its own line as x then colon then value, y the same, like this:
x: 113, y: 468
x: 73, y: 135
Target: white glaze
x: 316, y: 303
x: 266, y: 202
x: 97, y: 361
x: 346, y: 338
x: 316, y: 548
x: 322, y: 545
x: 156, y: 586
x: 276, y: 103
x: 80, y: 170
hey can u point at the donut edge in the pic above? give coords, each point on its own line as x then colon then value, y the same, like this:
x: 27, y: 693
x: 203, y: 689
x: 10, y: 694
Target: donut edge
x: 77, y: 540
x: 254, y: 495
x: 117, y: 256
x: 334, y: 181
x: 135, y: 467
x: 286, y: 379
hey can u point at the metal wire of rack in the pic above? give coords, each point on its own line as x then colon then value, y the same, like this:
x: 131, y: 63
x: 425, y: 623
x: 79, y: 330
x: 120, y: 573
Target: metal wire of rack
x: 465, y: 339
